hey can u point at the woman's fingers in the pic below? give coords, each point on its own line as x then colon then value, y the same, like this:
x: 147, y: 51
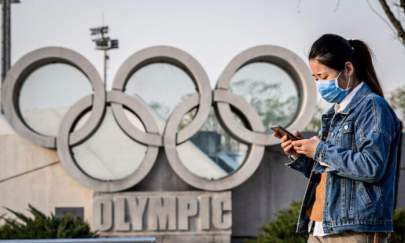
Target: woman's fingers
x: 299, y: 150
x: 284, y: 139
x: 298, y: 143
x: 299, y: 146
x: 288, y: 148
x: 285, y: 144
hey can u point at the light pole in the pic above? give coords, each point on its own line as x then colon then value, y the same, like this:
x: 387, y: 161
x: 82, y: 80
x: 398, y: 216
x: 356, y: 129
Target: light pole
x: 104, y: 43
x: 6, y: 40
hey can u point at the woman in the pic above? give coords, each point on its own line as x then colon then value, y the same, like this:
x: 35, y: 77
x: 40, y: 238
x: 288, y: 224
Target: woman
x: 351, y: 165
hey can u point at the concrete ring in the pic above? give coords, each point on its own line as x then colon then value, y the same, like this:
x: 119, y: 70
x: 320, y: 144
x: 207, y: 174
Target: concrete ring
x: 180, y: 59
x: 152, y: 136
x: 32, y: 61
x: 68, y: 161
x: 249, y: 166
x: 289, y: 62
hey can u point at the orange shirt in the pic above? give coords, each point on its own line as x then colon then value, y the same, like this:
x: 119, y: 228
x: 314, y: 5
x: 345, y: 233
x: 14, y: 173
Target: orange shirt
x: 315, y: 213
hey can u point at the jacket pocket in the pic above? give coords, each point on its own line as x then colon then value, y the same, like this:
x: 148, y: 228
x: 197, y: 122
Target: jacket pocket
x: 369, y: 194
x: 347, y: 134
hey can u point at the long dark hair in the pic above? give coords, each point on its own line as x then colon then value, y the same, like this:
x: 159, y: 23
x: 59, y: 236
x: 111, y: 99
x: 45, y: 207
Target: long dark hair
x: 334, y: 51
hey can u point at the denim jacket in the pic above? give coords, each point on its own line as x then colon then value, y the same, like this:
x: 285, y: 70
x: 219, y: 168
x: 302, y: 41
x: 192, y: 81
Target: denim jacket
x: 360, y: 147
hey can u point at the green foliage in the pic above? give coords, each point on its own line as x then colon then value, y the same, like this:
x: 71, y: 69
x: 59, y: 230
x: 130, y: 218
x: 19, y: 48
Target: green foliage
x: 41, y: 226
x: 399, y: 227
x: 282, y: 229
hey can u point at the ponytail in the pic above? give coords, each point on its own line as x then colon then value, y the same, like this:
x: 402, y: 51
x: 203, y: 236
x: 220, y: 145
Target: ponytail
x: 363, y: 64
x: 334, y: 51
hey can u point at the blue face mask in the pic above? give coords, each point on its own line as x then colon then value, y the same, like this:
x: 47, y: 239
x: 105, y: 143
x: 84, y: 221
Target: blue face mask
x: 330, y: 90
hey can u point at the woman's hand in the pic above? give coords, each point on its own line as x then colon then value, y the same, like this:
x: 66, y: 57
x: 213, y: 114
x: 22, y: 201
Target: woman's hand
x: 306, y: 147
x: 286, y: 144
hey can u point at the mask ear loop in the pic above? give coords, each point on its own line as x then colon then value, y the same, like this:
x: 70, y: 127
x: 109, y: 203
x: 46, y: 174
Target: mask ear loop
x: 337, y: 81
x: 348, y: 84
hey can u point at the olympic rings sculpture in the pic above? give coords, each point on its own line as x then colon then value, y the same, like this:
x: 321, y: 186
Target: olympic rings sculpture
x: 222, y: 99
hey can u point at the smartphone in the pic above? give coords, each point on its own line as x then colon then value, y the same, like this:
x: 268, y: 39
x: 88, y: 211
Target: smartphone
x: 284, y: 131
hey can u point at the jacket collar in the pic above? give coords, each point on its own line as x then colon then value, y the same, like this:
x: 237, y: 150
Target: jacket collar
x: 361, y: 93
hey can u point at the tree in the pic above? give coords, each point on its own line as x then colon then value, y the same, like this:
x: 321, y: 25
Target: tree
x: 315, y: 123
x: 272, y: 106
x: 395, y: 20
x: 397, y: 101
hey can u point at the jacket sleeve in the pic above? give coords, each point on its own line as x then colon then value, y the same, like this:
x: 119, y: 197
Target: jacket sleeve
x: 302, y: 164
x: 375, y: 131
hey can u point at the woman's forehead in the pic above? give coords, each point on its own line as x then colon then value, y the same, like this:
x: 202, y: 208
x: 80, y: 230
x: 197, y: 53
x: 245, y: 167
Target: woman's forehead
x: 318, y: 68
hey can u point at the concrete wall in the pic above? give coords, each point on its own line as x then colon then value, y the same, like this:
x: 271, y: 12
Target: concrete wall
x: 32, y: 174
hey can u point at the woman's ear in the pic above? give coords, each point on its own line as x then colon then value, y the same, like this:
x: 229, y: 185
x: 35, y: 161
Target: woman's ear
x: 349, y: 68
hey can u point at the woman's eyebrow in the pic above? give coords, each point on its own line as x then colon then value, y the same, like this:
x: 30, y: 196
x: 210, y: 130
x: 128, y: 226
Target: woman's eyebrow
x: 318, y: 74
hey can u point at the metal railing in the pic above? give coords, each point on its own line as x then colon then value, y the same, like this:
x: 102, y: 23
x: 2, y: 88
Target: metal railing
x: 88, y: 240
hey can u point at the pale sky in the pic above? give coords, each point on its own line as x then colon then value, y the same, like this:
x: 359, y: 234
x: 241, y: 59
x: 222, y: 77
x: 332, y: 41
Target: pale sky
x: 212, y: 31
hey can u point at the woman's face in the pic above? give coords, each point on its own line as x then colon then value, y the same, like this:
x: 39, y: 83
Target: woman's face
x: 323, y: 72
